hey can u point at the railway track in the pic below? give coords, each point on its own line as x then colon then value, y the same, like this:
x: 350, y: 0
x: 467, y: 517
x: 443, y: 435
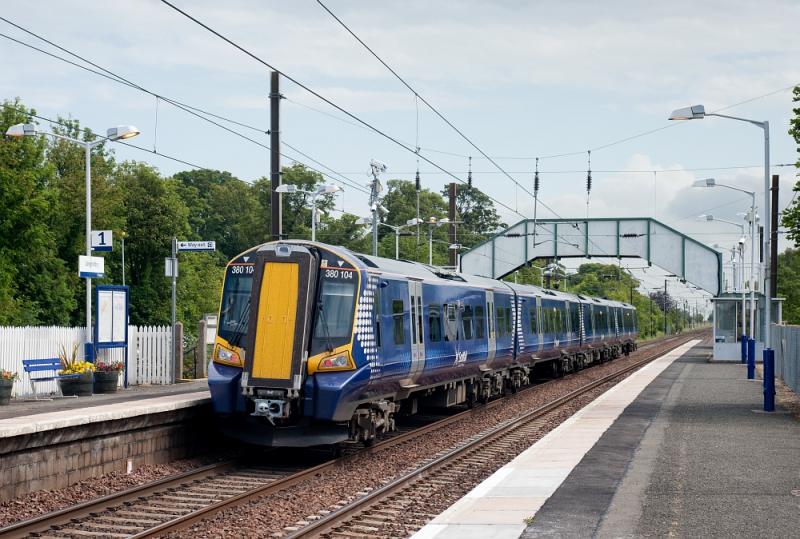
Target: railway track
x: 397, y: 509
x: 180, y: 501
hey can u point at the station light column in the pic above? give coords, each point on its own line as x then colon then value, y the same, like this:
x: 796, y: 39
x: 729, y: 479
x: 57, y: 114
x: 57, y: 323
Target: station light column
x: 698, y: 112
x: 120, y: 132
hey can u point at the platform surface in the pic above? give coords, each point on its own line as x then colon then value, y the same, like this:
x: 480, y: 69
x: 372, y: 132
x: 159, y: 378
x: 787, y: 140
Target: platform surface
x: 25, y: 417
x: 679, y: 448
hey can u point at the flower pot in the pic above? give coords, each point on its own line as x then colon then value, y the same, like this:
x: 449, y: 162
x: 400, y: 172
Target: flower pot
x: 5, y: 391
x: 106, y: 382
x: 80, y: 386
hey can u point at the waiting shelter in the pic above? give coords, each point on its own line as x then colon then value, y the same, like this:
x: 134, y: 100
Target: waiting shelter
x: 729, y: 311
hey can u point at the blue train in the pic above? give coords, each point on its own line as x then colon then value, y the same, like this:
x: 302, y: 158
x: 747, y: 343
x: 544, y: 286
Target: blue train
x: 317, y: 344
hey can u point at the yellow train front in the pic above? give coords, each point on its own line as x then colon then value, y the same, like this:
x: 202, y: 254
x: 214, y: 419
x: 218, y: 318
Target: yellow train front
x: 286, y: 314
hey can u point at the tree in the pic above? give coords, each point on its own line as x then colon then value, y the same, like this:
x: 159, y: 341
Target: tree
x: 791, y: 216
x: 477, y: 213
x: 401, y: 203
x: 789, y: 284
x: 67, y: 198
x: 36, y: 287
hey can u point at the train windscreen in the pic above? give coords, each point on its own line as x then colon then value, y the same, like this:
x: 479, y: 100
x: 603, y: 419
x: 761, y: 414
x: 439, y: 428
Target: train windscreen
x: 235, y: 312
x: 333, y: 322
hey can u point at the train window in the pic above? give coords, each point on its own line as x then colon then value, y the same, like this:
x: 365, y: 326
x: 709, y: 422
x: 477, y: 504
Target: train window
x: 574, y: 315
x: 235, y: 312
x: 534, y: 323
x: 333, y: 325
x: 450, y: 329
x: 419, y: 319
x: 435, y: 323
x: 466, y: 322
x: 501, y: 321
x: 414, y: 320
x: 479, y: 329
x: 397, y: 321
x: 377, y: 309
x: 509, y: 322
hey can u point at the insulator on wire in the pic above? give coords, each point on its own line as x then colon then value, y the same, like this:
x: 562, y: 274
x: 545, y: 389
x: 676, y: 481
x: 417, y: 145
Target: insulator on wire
x: 469, y: 174
x: 536, y: 179
x: 589, y: 174
x: 417, y: 183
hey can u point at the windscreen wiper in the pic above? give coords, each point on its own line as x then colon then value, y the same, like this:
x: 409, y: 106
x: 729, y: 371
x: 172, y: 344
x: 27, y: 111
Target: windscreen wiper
x: 325, y: 328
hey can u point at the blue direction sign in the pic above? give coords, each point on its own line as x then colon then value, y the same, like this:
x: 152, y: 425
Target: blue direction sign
x: 102, y: 240
x: 197, y: 246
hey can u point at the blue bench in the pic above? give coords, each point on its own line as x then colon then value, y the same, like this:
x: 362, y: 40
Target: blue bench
x: 52, y: 365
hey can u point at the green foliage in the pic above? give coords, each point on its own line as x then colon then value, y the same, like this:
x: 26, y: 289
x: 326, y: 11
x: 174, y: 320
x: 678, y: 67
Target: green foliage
x: 789, y: 284
x: 791, y: 215
x: 35, y: 285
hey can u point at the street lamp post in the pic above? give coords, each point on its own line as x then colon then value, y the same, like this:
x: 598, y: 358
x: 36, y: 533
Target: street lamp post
x: 120, y: 132
x: 698, y: 112
x: 433, y: 221
x: 319, y: 191
x: 397, y: 229
x: 711, y: 182
x: 740, y: 281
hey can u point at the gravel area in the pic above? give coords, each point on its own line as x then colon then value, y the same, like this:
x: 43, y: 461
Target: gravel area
x: 268, y: 515
x: 45, y: 501
x: 784, y: 396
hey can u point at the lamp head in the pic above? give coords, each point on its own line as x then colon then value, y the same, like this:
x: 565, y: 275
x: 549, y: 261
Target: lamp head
x: 708, y: 182
x: 286, y: 188
x: 413, y: 221
x: 21, y: 130
x: 696, y: 112
x: 122, y: 132
x: 326, y: 189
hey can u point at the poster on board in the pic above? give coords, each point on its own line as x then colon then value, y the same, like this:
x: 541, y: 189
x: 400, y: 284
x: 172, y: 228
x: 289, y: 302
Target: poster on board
x: 111, y: 316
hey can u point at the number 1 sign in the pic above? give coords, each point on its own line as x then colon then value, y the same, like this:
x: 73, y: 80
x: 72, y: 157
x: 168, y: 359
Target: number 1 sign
x: 102, y: 240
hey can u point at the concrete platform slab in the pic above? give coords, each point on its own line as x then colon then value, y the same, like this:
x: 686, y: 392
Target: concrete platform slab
x: 540, y: 470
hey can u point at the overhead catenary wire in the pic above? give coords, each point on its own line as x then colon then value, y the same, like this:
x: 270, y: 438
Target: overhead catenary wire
x: 323, y: 98
x: 193, y: 110
x: 425, y: 101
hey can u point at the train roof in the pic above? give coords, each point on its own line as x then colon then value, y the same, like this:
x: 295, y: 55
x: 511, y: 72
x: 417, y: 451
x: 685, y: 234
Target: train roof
x: 418, y: 270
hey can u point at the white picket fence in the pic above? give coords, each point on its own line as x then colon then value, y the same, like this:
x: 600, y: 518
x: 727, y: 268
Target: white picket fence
x: 148, y: 353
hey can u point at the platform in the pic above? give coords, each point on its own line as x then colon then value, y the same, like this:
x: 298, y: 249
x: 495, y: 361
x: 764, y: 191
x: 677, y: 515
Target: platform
x: 680, y: 448
x: 52, y: 444
x: 28, y: 407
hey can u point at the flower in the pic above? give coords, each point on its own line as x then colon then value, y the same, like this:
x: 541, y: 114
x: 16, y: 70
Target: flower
x: 110, y: 367
x: 8, y: 375
x: 78, y: 367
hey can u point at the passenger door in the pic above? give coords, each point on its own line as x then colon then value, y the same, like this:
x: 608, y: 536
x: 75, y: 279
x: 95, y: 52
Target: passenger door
x: 491, y: 329
x: 417, y: 333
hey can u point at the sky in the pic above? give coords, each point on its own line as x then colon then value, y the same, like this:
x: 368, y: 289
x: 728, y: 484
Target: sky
x: 520, y: 79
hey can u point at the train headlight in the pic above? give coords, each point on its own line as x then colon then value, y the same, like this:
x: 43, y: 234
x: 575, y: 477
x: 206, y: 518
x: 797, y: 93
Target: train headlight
x: 337, y: 362
x: 229, y: 357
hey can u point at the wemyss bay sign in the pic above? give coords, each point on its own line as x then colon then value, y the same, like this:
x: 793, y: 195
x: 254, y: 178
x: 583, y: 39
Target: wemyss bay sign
x: 197, y: 245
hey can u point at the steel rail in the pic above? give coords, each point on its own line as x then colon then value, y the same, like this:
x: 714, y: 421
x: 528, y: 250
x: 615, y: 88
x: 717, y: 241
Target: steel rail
x: 328, y: 523
x: 63, y: 516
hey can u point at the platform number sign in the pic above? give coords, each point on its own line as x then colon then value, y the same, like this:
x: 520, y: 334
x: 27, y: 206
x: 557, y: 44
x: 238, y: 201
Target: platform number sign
x: 102, y: 240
